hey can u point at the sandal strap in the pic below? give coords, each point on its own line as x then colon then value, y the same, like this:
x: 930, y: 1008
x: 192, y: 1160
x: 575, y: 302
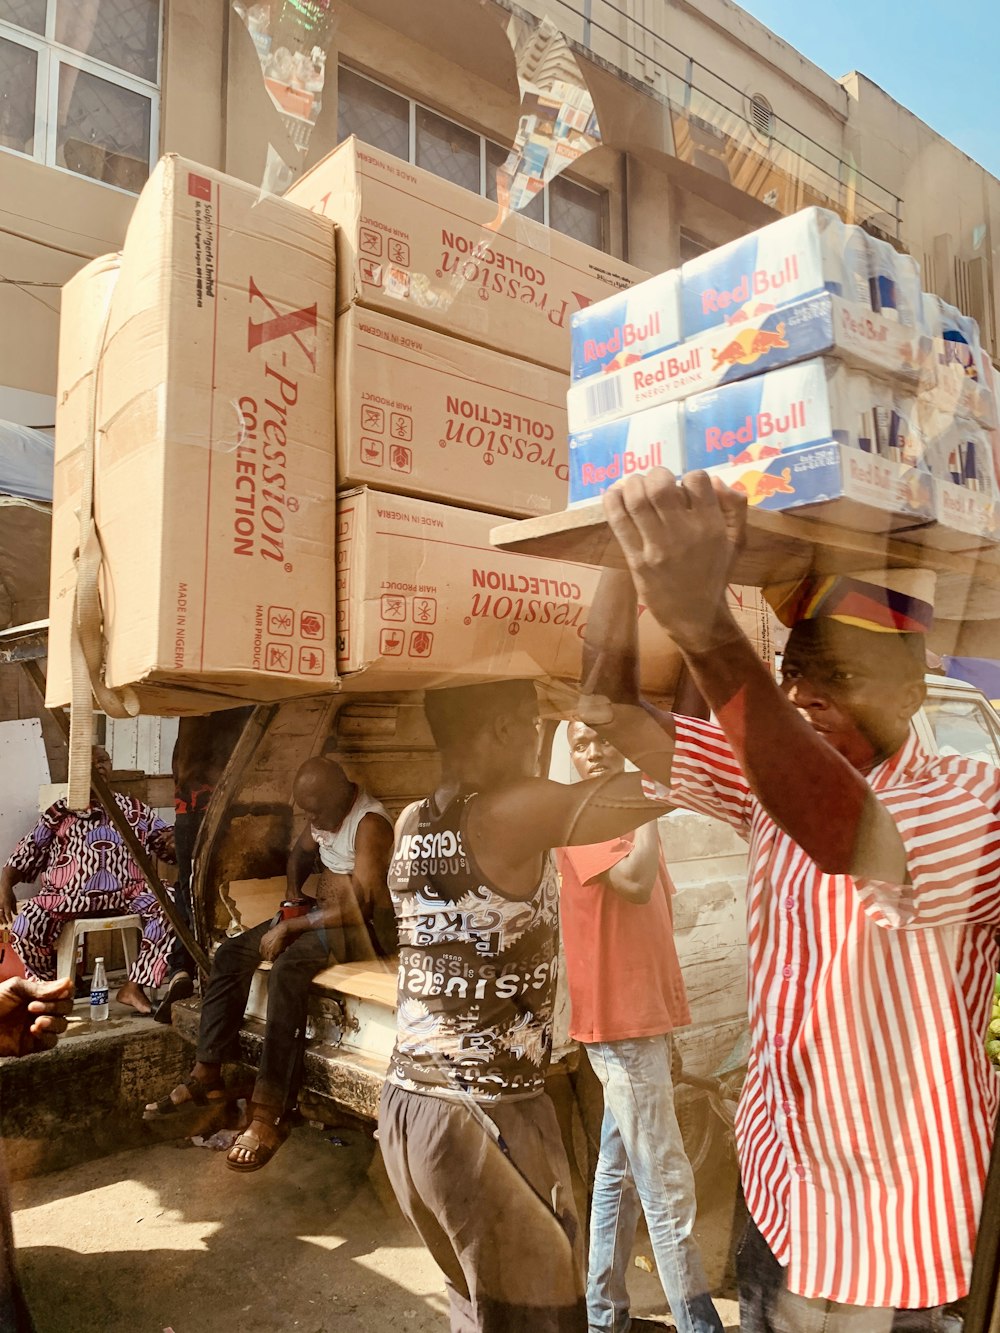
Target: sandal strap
x: 200, y: 1091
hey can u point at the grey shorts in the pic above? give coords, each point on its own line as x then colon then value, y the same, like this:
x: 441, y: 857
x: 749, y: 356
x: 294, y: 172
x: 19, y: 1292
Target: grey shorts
x: 497, y: 1216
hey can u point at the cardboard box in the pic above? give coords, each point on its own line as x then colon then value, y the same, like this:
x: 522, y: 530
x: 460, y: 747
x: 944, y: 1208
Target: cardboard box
x: 424, y: 414
x: 214, y: 483
x: 424, y: 600
x: 809, y: 403
x: 600, y: 457
x: 421, y: 248
x: 627, y: 327
x: 840, y: 485
x: 824, y: 325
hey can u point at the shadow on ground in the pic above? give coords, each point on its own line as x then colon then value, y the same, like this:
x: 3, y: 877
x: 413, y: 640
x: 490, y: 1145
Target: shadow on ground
x: 167, y: 1238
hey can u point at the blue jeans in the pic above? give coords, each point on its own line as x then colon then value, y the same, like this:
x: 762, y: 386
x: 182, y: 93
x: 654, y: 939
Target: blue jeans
x: 767, y: 1306
x: 642, y: 1167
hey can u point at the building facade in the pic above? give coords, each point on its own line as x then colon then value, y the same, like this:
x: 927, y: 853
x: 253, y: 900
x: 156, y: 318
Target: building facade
x: 709, y: 126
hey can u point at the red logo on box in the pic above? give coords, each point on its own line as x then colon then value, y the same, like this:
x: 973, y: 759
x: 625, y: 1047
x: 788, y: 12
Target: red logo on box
x: 399, y: 253
x: 425, y: 610
x: 393, y: 607
x: 278, y: 657
x: 373, y: 419
x: 400, y: 426
x: 311, y: 661
x: 391, y: 642
x: 370, y: 242
x: 312, y: 625
x: 372, y: 451
x: 401, y: 458
x: 199, y: 187
x: 421, y: 643
x: 371, y: 272
x: 280, y: 620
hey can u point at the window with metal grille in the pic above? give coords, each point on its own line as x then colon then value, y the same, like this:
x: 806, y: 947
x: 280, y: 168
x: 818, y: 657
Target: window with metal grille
x: 79, y: 85
x: 693, y: 245
x: 761, y: 116
x: 402, y: 126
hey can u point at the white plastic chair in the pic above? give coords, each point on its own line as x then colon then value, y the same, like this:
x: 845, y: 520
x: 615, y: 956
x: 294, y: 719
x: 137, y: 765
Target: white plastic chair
x: 73, y: 930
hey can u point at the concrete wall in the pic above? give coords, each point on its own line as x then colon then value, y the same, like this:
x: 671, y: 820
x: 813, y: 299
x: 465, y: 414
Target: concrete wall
x: 952, y: 205
x: 454, y: 56
x: 52, y: 222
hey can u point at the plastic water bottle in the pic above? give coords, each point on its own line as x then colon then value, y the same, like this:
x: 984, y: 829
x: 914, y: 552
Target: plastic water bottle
x: 99, y: 993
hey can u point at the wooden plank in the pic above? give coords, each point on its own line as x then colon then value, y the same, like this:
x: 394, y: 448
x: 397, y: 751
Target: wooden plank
x: 370, y: 980
x: 779, y: 548
x: 254, y: 900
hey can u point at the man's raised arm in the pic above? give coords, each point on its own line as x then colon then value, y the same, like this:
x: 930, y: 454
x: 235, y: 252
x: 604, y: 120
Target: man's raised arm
x: 610, y: 699
x: 679, y: 542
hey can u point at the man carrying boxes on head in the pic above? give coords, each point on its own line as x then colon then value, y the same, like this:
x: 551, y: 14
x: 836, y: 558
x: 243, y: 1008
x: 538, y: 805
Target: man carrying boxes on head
x: 874, y: 885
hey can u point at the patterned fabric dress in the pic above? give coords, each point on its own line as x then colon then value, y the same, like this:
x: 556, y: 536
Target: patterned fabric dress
x: 86, y: 870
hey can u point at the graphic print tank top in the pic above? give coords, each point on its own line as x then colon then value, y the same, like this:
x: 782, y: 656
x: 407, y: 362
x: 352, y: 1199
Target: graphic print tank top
x: 477, y: 971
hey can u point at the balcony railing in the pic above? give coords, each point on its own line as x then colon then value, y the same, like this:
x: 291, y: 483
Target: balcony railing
x: 710, y: 119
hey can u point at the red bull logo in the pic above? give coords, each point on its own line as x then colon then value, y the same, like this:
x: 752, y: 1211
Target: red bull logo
x: 761, y: 282
x: 622, y: 465
x: 761, y: 486
x: 749, y: 346
x: 757, y: 427
x: 670, y: 368
x: 625, y: 335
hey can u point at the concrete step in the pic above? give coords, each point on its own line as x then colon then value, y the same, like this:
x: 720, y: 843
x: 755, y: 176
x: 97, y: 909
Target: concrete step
x: 85, y: 1098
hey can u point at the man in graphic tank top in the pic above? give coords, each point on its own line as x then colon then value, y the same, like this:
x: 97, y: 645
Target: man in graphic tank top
x: 467, y: 1132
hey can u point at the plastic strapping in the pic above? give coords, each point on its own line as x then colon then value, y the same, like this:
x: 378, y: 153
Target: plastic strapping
x: 87, y: 645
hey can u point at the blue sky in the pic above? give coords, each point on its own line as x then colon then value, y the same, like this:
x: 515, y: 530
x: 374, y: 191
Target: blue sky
x: 938, y: 58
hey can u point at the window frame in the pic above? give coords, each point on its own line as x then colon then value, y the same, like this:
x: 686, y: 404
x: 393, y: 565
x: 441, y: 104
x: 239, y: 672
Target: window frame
x: 51, y: 56
x: 485, y: 141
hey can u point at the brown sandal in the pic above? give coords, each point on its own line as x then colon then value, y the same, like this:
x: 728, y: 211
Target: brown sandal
x: 251, y: 1142
x: 206, y: 1096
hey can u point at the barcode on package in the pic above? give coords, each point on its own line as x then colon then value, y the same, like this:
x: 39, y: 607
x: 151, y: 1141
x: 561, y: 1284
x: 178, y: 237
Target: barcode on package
x: 604, y: 398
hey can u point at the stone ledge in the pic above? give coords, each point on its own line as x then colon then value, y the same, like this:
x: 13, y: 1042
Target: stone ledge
x: 85, y: 1098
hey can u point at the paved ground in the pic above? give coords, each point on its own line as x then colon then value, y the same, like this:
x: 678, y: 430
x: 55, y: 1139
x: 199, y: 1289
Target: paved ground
x: 166, y: 1238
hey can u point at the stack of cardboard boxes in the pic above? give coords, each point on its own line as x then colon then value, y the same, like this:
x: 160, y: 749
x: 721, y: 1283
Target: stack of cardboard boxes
x: 453, y: 344
x: 196, y: 397
x: 805, y: 364
x: 303, y: 416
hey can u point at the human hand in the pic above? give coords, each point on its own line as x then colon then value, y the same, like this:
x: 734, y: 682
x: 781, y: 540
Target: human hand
x: 679, y: 539
x: 8, y: 904
x: 33, y: 1014
x: 274, y: 942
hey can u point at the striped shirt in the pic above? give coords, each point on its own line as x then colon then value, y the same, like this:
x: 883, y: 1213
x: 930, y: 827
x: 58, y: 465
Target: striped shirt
x: 865, y: 1122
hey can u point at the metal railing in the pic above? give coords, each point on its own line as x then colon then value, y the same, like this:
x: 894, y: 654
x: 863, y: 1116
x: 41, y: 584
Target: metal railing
x: 712, y: 114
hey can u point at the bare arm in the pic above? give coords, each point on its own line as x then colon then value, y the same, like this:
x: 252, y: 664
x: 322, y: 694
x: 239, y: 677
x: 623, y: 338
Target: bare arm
x: 10, y: 877
x: 634, y: 876
x: 610, y: 700
x: 511, y: 829
x: 371, y: 869
x: 665, y: 530
x: 301, y: 861
x: 373, y: 852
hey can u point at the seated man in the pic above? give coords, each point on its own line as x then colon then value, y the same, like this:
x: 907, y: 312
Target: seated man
x: 627, y: 996
x: 87, y: 870
x: 353, y: 835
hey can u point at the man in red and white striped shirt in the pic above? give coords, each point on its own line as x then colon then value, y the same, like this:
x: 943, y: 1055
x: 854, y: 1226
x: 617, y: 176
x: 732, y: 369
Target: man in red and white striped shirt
x: 873, y: 903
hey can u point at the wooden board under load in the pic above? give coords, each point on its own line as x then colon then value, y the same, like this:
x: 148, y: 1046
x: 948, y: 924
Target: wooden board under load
x: 782, y: 547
